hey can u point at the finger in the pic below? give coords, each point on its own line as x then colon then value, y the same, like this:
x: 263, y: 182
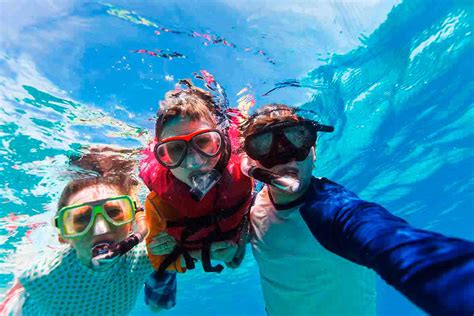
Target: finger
x: 161, y: 249
x: 218, y: 245
x: 163, y: 237
x: 231, y: 249
x: 167, y: 249
x: 163, y: 234
x: 224, y: 255
x: 162, y: 243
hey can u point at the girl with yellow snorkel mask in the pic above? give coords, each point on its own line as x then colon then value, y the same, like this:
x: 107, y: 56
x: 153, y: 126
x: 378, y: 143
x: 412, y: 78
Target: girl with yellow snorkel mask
x: 98, y: 262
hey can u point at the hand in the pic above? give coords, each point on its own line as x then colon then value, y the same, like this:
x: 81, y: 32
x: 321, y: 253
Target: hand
x: 238, y: 258
x: 242, y: 244
x: 162, y: 244
x: 223, y: 250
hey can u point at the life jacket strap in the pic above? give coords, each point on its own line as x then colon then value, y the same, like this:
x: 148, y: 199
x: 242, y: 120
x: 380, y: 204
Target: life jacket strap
x: 206, y: 260
x: 188, y: 260
x: 207, y: 220
x: 169, y: 259
x: 228, y: 235
x: 177, y: 251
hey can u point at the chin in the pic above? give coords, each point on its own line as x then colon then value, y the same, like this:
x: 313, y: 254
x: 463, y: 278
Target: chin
x: 305, y: 183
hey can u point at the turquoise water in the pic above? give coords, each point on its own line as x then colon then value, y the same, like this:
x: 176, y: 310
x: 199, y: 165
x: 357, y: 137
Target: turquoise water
x: 396, y: 80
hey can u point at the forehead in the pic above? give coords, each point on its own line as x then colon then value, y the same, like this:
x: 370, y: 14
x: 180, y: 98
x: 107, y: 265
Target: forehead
x: 263, y: 121
x: 183, y: 125
x: 93, y: 193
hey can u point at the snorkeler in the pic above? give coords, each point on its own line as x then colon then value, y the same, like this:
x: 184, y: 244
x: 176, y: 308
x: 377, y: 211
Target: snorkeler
x: 97, y: 271
x: 199, y: 201
x: 298, y: 276
x: 295, y: 209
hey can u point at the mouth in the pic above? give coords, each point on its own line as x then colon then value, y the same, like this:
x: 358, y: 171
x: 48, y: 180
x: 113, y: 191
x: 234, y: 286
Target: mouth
x: 101, y: 248
x: 288, y: 171
x: 196, y: 173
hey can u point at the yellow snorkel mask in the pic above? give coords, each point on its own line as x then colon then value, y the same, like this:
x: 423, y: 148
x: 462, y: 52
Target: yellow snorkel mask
x: 76, y: 220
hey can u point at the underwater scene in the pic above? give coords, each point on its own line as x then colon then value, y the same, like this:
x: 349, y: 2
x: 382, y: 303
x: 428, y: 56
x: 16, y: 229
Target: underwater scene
x: 394, y: 78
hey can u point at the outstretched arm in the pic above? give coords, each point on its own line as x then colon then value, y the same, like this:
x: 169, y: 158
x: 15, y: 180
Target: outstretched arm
x: 12, y: 303
x: 434, y: 271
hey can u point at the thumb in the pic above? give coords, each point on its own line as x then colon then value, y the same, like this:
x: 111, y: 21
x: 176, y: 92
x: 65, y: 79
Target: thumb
x: 220, y: 245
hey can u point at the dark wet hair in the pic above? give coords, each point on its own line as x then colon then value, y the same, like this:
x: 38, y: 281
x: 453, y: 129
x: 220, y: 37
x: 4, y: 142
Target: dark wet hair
x: 107, y: 166
x: 192, y: 102
x: 268, y: 115
x: 124, y: 184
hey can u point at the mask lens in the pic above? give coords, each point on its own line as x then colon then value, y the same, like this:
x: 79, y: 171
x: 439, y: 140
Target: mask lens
x: 171, y: 153
x: 208, y: 143
x: 76, y: 220
x: 259, y: 145
x: 119, y: 211
x: 299, y: 136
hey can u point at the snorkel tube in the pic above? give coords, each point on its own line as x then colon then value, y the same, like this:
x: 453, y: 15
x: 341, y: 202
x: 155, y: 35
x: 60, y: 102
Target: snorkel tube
x: 203, y: 183
x: 110, y: 252
x: 283, y: 182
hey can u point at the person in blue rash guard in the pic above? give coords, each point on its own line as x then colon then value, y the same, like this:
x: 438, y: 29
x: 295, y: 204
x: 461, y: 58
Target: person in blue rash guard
x: 434, y: 271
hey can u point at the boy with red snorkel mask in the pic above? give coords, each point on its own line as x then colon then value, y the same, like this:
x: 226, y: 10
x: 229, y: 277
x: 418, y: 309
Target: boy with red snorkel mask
x: 199, y: 197
x: 296, y: 215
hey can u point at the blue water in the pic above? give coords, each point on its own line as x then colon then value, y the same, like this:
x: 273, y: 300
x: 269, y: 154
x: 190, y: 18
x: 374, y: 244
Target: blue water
x: 396, y: 80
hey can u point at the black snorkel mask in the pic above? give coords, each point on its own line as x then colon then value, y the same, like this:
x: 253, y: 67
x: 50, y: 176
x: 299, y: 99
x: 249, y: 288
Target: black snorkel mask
x: 282, y: 142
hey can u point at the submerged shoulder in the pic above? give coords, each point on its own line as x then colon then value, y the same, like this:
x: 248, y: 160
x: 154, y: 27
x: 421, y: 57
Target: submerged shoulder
x: 324, y: 183
x: 323, y: 189
x: 47, y: 265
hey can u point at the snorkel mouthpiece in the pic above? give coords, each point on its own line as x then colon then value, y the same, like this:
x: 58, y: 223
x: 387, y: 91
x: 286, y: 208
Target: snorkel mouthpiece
x: 201, y: 184
x: 102, y: 254
x: 106, y: 252
x: 100, y: 249
x: 286, y: 183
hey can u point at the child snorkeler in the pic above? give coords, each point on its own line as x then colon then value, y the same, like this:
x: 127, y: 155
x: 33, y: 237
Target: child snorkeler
x: 296, y: 213
x: 199, y: 197
x: 97, y: 272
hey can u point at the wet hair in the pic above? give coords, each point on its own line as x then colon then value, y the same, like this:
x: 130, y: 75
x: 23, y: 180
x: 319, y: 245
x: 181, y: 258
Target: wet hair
x: 107, y: 166
x: 192, y: 102
x: 267, y: 115
x: 124, y: 184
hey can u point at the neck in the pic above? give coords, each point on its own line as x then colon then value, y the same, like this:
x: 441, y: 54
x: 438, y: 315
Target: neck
x: 282, y: 197
x: 84, y: 260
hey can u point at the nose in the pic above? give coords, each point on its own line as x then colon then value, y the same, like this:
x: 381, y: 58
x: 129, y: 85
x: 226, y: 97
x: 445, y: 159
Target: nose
x: 193, y: 159
x: 101, y: 226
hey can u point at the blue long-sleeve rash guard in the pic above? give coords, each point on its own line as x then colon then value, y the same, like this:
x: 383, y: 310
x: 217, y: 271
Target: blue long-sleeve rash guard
x: 434, y: 271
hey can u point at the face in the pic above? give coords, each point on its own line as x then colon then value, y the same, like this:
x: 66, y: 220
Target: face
x: 302, y: 170
x: 193, y: 163
x: 102, y: 231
